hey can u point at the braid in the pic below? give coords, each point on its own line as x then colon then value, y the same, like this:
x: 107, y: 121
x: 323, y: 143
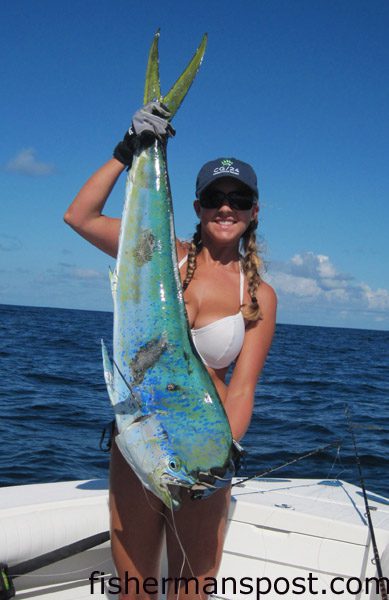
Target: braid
x: 251, y: 267
x: 194, y: 248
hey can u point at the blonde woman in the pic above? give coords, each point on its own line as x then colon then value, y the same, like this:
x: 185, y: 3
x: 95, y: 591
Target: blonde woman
x: 231, y: 312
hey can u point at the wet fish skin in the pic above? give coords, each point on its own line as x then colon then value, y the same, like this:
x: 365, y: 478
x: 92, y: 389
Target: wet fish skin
x: 172, y: 427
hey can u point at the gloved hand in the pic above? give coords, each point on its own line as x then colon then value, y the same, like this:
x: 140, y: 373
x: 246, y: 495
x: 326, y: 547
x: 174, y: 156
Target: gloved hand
x: 148, y: 123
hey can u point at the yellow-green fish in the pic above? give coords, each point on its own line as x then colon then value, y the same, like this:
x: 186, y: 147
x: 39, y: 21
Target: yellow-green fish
x: 172, y: 427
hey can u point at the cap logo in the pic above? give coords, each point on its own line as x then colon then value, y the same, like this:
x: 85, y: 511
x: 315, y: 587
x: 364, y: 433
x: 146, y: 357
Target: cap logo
x: 226, y: 167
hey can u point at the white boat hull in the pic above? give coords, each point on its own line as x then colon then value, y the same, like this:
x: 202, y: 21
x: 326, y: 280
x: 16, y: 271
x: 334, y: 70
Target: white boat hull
x: 283, y: 536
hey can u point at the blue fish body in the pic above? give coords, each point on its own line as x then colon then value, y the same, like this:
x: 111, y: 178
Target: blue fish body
x: 172, y: 427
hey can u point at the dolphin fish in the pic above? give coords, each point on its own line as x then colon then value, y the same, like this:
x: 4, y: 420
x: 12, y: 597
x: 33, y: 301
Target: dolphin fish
x: 172, y: 427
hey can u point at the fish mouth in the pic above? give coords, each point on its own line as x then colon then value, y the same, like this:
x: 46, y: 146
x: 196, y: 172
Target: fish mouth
x: 200, y: 483
x: 212, y: 480
x: 167, y: 479
x: 170, y: 490
x: 174, y: 492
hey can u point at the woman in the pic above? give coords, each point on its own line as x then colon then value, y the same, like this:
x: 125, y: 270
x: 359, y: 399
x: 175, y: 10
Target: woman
x: 232, y: 316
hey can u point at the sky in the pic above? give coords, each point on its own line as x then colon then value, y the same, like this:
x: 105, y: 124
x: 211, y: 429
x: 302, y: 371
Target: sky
x: 299, y: 89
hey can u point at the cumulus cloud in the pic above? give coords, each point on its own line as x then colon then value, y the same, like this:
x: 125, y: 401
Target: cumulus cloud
x: 313, y: 278
x: 27, y: 163
x: 293, y: 284
x: 377, y: 299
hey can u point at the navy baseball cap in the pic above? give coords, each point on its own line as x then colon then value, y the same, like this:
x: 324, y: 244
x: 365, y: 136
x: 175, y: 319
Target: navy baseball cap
x: 226, y: 167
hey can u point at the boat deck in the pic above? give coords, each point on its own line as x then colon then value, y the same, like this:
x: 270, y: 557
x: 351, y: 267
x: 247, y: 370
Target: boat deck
x: 280, y: 533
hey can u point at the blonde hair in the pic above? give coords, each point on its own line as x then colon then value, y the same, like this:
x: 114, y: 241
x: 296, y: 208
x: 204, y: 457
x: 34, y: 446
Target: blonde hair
x: 251, y: 265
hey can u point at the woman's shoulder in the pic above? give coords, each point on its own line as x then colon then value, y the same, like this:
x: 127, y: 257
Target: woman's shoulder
x: 267, y: 298
x: 266, y: 291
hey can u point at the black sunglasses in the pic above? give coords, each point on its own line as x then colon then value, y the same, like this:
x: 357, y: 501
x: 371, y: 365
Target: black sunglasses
x: 212, y: 198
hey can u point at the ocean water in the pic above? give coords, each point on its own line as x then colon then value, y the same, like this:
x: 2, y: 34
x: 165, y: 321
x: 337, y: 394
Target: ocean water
x: 54, y: 403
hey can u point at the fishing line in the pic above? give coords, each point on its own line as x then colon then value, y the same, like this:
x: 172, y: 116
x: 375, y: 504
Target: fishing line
x: 377, y: 560
x: 173, y: 528
x: 184, y: 557
x: 336, y: 459
x: 173, y: 524
x: 126, y: 383
x: 321, y: 543
x: 342, y: 466
x: 337, y: 443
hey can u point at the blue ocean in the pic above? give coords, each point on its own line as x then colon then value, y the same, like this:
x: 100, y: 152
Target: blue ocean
x: 54, y: 402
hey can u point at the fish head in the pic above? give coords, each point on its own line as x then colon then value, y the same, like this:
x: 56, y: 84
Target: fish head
x: 145, y: 446
x: 172, y: 475
x: 169, y: 454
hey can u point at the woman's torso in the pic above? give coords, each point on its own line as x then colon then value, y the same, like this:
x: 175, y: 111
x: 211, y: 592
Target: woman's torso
x: 213, y: 300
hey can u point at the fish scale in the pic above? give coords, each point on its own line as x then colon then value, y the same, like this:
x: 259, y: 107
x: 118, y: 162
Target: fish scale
x: 172, y: 427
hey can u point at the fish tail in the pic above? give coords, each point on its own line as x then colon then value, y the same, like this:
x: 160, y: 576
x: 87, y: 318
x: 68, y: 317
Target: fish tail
x: 152, y: 85
x: 178, y: 91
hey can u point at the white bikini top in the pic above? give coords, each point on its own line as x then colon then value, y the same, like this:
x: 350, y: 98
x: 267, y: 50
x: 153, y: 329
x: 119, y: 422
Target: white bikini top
x: 220, y: 342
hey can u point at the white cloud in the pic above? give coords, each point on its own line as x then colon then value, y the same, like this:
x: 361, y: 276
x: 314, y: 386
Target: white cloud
x: 27, y: 163
x: 310, y: 278
x: 376, y: 299
x: 292, y: 284
x: 318, y: 267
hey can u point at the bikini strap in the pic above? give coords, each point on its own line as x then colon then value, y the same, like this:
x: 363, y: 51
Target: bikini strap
x: 182, y: 261
x: 241, y: 285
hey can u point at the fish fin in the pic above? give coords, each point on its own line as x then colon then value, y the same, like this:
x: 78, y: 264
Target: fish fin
x: 113, y: 277
x: 178, y: 91
x: 152, y: 86
x: 135, y: 400
x: 108, y: 374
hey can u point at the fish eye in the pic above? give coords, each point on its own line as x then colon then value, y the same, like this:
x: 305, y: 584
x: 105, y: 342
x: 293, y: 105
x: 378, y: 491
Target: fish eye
x: 174, y: 464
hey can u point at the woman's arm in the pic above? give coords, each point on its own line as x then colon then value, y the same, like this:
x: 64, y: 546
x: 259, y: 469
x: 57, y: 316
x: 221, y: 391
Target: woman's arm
x: 85, y: 212
x: 241, y: 389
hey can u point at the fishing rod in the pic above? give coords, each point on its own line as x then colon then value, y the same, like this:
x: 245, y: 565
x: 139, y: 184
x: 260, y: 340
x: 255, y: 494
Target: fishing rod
x: 337, y: 443
x: 377, y: 560
x: 8, y: 574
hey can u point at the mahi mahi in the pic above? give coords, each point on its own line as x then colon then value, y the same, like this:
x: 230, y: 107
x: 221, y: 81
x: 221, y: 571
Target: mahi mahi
x: 172, y: 427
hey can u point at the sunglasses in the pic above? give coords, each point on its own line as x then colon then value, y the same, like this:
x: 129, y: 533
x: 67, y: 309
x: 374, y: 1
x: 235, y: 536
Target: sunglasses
x: 216, y: 198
